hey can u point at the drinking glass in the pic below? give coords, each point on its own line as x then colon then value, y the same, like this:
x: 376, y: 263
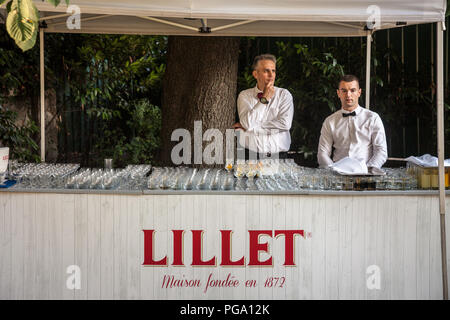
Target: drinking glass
x: 228, y: 182
x: 229, y: 164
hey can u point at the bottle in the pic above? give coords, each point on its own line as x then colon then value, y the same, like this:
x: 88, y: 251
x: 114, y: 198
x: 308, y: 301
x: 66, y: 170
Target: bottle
x: 424, y: 180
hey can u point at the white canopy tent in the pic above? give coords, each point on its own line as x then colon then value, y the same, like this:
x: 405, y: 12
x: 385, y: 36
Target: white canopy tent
x: 258, y: 18
x: 322, y: 11
x: 241, y: 18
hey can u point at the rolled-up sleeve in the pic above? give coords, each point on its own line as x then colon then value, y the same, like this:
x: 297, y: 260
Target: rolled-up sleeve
x: 282, y: 122
x: 325, y: 146
x: 379, y: 146
x: 248, y: 112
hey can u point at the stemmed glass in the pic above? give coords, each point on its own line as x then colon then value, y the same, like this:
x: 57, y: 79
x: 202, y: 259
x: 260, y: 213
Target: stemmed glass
x: 251, y: 171
x: 227, y: 181
x: 154, y: 179
x: 215, y: 180
x: 229, y: 164
x: 239, y: 173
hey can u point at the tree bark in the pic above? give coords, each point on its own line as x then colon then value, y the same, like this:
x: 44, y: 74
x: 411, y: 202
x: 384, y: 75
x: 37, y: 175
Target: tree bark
x: 199, y: 85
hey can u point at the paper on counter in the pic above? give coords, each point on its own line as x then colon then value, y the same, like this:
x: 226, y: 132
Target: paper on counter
x: 427, y: 160
x: 350, y: 166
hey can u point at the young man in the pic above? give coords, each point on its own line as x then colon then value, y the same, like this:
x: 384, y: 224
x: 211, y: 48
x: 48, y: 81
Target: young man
x: 352, y: 131
x: 265, y: 113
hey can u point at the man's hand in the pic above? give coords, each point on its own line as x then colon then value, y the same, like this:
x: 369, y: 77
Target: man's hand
x: 376, y: 171
x: 238, y: 126
x: 269, y: 90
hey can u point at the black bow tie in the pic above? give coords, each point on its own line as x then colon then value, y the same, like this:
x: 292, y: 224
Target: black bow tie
x: 349, y: 114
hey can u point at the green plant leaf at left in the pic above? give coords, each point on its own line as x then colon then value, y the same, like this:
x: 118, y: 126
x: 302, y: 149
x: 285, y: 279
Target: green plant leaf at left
x: 54, y: 2
x: 22, y: 23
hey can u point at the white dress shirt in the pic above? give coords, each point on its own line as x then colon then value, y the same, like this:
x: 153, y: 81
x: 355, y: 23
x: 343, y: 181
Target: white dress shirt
x: 267, y: 125
x: 360, y: 137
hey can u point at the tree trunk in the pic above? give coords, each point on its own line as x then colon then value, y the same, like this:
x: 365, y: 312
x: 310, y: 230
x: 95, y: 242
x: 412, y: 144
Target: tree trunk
x: 199, y: 85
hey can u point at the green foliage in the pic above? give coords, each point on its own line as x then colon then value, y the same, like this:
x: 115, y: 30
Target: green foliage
x: 17, y: 138
x: 56, y: 2
x: 310, y: 75
x: 139, y: 146
x: 99, y: 80
x: 246, y: 79
x: 404, y: 99
x: 19, y: 70
x: 18, y: 81
x: 116, y: 80
x: 22, y: 21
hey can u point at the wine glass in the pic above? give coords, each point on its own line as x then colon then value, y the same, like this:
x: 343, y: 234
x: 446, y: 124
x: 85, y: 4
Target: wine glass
x: 229, y: 164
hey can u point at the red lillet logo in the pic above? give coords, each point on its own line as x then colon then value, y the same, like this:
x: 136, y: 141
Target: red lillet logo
x: 255, y: 247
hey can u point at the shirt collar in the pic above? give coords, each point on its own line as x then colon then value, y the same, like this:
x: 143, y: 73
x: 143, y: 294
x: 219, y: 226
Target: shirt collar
x: 357, y: 110
x: 256, y: 90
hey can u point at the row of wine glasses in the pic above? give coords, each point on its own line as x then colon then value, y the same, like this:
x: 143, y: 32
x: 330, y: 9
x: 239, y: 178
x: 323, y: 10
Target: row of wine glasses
x: 130, y: 178
x: 286, y: 175
x: 184, y: 178
x: 41, y: 175
x: 70, y: 176
x: 134, y: 177
x: 323, y: 179
x: 87, y: 178
x: 264, y: 175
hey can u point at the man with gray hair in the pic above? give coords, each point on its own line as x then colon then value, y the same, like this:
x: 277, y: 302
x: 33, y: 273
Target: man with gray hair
x: 265, y: 113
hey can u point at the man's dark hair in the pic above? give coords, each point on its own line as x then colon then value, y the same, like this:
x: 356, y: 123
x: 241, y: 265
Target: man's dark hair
x: 348, y: 78
x: 266, y: 56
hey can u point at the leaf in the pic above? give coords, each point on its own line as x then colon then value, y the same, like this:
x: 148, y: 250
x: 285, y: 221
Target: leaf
x: 8, y: 7
x: 27, y: 44
x: 22, y: 23
x: 54, y: 2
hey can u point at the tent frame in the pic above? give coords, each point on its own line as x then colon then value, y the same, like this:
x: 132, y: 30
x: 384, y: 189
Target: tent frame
x: 440, y: 27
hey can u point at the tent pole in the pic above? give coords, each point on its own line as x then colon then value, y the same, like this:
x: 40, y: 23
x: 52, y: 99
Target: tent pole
x: 417, y: 49
x: 389, y: 57
x: 441, y: 143
x: 232, y: 25
x: 179, y: 25
x: 417, y: 83
x: 368, y: 53
x: 83, y: 19
x: 41, y: 68
x: 446, y: 61
x: 56, y: 16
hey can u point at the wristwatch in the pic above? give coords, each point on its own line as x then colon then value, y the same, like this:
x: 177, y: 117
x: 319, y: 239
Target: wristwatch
x: 263, y: 100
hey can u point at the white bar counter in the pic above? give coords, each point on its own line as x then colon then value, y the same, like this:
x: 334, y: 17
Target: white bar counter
x: 356, y: 245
